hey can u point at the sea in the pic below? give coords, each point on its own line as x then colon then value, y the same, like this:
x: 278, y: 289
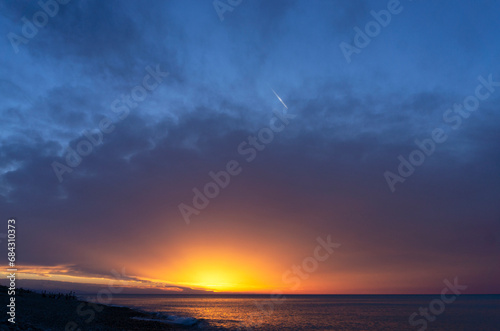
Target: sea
x: 320, y: 312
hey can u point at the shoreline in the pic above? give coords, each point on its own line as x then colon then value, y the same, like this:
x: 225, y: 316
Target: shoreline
x: 38, y: 312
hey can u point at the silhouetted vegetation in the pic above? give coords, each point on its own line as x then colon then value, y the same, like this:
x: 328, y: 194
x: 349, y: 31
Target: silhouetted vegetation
x: 67, y: 296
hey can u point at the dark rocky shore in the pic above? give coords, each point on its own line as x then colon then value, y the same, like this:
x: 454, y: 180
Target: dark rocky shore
x: 35, y: 311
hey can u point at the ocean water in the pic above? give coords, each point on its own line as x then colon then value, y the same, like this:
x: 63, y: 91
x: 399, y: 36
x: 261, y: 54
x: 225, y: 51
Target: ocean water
x: 328, y: 312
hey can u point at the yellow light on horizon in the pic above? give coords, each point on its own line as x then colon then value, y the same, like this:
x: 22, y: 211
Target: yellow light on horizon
x: 220, y: 277
x: 220, y: 270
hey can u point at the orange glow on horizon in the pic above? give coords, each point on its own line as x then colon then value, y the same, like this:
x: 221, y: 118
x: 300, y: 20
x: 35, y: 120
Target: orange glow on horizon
x: 228, y: 277
x: 234, y: 267
x: 220, y: 271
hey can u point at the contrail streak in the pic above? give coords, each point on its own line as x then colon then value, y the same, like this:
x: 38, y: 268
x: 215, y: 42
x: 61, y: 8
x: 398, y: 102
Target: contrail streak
x: 276, y: 94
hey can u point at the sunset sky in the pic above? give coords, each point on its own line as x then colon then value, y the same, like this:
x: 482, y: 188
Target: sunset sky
x: 97, y: 65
